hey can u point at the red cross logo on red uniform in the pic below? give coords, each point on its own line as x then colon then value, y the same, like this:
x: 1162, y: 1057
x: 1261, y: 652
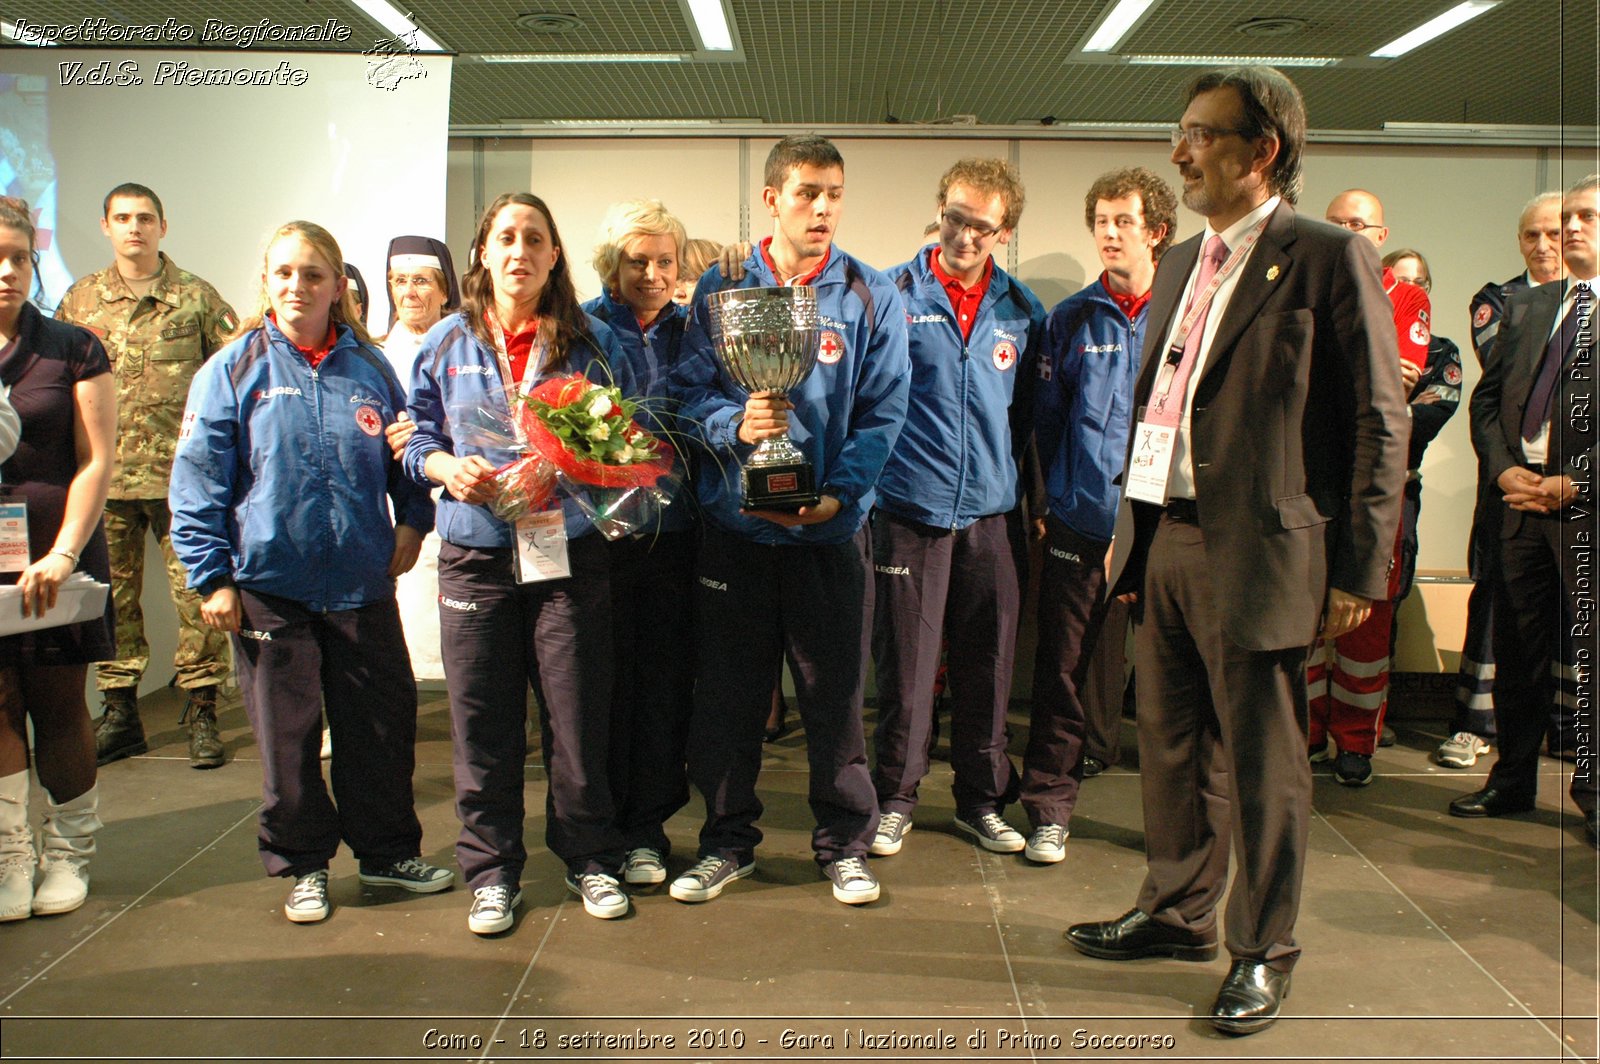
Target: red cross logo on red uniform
x: 369, y: 421
x: 830, y: 348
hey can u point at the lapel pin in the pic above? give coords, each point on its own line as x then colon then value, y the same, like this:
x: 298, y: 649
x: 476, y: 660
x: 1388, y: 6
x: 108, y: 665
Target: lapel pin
x: 1272, y: 272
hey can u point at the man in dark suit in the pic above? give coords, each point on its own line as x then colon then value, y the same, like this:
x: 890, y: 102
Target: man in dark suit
x: 1533, y: 424
x: 1259, y: 514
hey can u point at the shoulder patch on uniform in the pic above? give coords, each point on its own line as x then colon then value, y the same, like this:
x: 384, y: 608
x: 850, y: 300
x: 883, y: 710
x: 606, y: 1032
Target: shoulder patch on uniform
x: 1481, y: 316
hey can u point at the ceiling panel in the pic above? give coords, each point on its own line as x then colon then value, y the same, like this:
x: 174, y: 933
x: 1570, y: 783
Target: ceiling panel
x: 828, y: 62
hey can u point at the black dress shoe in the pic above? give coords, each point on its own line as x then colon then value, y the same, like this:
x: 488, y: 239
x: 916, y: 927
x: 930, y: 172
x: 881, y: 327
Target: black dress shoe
x: 1135, y: 934
x: 1591, y: 826
x: 1491, y: 801
x: 1250, y: 998
x: 1092, y: 766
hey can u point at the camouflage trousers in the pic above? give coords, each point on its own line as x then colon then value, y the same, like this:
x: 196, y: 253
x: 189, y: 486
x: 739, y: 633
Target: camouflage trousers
x: 202, y: 656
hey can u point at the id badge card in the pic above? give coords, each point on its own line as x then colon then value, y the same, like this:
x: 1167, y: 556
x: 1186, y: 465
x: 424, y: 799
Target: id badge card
x: 542, y: 547
x: 13, y: 536
x: 1151, y: 462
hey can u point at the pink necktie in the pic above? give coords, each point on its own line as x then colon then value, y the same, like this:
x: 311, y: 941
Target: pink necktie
x: 1170, y: 412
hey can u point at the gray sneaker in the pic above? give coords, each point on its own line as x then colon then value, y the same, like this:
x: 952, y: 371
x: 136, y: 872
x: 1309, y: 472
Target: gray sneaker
x: 644, y: 865
x: 1461, y: 750
x: 992, y: 832
x: 853, y: 881
x: 1047, y: 844
x: 411, y: 873
x: 493, y: 909
x: 308, y: 899
x: 707, y: 878
x: 602, y: 895
x: 892, y: 831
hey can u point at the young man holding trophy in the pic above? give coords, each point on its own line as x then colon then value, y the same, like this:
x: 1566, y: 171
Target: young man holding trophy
x: 808, y: 351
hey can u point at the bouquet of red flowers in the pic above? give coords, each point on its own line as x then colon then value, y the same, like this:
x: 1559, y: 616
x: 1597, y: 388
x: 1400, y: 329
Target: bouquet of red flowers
x: 583, y: 438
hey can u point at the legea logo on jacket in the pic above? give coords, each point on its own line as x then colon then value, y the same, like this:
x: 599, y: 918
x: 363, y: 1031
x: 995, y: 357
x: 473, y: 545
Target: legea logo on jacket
x: 463, y: 371
x: 457, y: 604
x: 263, y: 394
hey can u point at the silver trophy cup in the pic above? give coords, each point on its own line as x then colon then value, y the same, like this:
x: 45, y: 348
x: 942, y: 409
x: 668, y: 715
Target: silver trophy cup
x: 766, y: 339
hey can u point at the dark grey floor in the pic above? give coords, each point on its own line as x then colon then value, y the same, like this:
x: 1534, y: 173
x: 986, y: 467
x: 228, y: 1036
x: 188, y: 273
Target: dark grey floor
x: 1425, y: 937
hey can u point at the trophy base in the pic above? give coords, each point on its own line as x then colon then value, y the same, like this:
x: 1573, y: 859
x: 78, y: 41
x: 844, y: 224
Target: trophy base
x: 780, y: 486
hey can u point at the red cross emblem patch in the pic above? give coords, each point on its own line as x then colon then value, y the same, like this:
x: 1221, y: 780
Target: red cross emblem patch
x: 830, y: 348
x: 1480, y: 317
x: 369, y: 420
x: 1005, y: 355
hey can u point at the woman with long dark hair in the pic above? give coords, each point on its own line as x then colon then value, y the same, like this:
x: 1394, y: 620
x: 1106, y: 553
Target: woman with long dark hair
x: 506, y: 618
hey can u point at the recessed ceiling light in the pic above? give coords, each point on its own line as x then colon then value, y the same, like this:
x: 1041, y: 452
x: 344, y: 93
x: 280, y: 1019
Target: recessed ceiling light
x: 1116, y: 25
x: 711, y: 24
x: 1274, y: 26
x: 1435, y: 27
x: 397, y: 23
x: 549, y: 22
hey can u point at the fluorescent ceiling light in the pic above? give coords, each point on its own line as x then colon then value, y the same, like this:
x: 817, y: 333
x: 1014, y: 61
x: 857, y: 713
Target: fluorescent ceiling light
x: 1434, y: 27
x: 391, y: 19
x: 581, y: 57
x: 607, y: 123
x: 1116, y: 25
x: 1232, y: 60
x: 711, y: 23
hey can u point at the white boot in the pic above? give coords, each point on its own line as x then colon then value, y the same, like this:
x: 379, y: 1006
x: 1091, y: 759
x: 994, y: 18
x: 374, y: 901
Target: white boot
x: 67, y: 843
x: 16, y: 848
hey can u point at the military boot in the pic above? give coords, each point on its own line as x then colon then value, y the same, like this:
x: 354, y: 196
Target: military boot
x: 118, y: 733
x: 205, y: 742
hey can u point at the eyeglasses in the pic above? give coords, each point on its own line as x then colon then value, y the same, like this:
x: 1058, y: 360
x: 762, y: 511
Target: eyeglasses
x: 1200, y: 136
x: 955, y: 223
x: 420, y: 283
x: 1355, y: 225
x: 1421, y: 282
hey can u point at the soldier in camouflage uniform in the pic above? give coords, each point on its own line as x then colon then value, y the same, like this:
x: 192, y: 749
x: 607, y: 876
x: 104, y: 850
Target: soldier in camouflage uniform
x: 158, y: 324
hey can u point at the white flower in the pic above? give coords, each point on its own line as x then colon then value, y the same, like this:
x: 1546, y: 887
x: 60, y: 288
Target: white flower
x: 601, y: 431
x: 600, y: 407
x: 626, y: 455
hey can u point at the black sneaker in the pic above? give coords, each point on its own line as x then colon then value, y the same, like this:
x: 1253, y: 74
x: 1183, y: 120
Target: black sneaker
x: 992, y: 832
x: 1352, y: 770
x: 602, y: 895
x: 308, y: 898
x: 891, y: 834
x: 410, y: 873
x: 118, y: 733
x: 1092, y: 766
x: 707, y: 878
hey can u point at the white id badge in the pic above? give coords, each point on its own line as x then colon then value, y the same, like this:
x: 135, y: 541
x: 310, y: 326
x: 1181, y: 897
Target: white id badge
x: 1151, y: 462
x: 542, y: 547
x: 13, y: 536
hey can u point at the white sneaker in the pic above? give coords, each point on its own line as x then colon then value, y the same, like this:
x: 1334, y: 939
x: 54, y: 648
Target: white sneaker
x: 992, y: 832
x: 308, y: 901
x: 644, y: 866
x: 1461, y: 750
x: 1047, y: 844
x: 853, y: 882
x: 493, y: 909
x: 892, y: 831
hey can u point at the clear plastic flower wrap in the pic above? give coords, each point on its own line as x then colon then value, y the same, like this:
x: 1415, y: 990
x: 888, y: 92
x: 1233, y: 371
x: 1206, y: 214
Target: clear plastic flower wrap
x: 582, y: 439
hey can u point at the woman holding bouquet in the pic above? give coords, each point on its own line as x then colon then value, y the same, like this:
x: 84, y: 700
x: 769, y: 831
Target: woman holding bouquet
x: 652, y: 570
x: 280, y: 497
x: 524, y: 603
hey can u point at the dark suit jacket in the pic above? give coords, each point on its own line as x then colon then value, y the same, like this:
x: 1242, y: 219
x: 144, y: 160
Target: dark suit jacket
x: 1298, y: 435
x: 1502, y: 394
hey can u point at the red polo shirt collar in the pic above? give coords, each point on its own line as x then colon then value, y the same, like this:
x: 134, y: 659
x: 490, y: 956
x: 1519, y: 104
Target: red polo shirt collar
x: 766, y: 254
x: 313, y: 355
x: 964, y: 301
x: 1129, y: 305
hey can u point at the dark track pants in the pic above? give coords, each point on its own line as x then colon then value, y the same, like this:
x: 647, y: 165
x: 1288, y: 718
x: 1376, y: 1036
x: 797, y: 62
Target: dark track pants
x: 294, y: 664
x: 496, y: 638
x: 932, y: 584
x: 756, y: 603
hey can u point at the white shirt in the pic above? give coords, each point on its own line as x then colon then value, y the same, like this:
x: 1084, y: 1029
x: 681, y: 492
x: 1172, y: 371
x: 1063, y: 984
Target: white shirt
x: 1537, y: 450
x: 1180, y: 482
x: 400, y: 347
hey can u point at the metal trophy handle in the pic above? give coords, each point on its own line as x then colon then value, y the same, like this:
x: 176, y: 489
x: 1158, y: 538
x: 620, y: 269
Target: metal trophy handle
x: 766, y: 339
